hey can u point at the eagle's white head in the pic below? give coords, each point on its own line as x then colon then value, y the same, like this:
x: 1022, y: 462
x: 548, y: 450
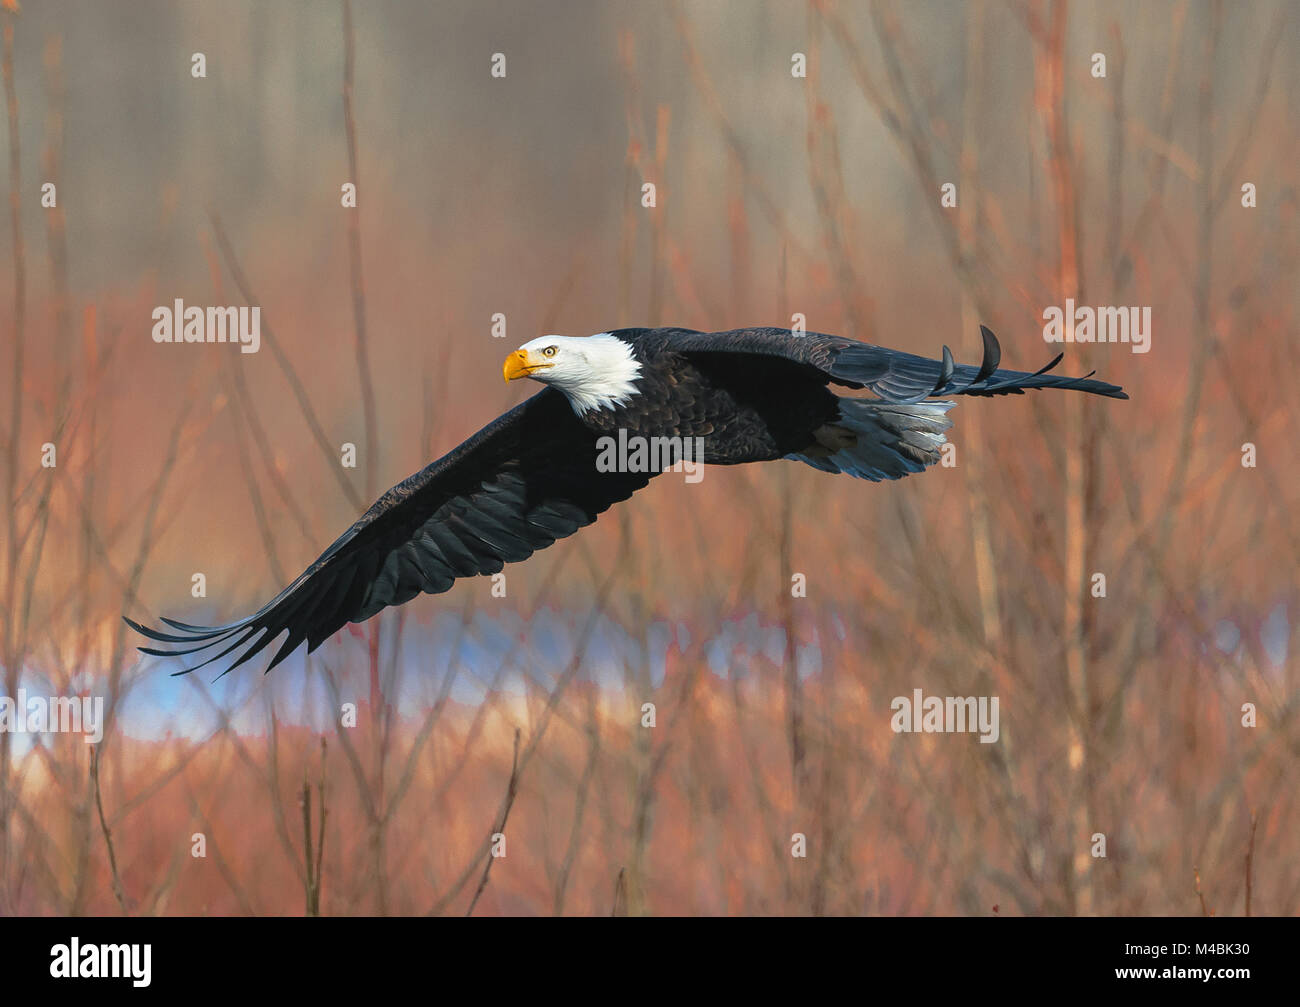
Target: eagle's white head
x: 594, y: 372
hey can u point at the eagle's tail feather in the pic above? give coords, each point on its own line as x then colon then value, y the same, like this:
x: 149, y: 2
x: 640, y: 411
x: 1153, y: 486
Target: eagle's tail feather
x: 880, y: 440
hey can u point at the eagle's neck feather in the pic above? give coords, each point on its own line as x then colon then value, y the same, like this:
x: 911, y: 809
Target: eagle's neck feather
x: 607, y: 377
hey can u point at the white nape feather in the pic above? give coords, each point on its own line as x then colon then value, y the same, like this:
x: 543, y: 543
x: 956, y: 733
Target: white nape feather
x: 594, y: 372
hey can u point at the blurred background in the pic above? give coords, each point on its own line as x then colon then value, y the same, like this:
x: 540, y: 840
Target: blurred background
x: 776, y: 195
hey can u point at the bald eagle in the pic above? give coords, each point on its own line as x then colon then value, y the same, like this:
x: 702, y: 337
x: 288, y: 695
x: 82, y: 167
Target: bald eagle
x: 533, y: 475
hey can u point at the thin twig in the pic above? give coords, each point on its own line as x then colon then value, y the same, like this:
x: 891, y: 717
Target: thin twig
x: 579, y: 808
x: 512, y: 788
x: 620, y: 893
x: 1205, y: 910
x: 354, y: 250
x: 320, y: 835
x: 1250, y: 858
x: 286, y: 366
x: 312, y: 864
x: 108, y: 835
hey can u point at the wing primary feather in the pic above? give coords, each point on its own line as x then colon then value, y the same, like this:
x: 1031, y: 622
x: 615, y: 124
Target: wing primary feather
x: 1011, y: 384
x: 158, y: 652
x: 154, y: 634
x: 290, y: 644
x: 186, y: 627
x: 992, y: 355
x: 215, y: 657
x: 258, y: 646
x: 1050, y: 364
x: 945, y: 372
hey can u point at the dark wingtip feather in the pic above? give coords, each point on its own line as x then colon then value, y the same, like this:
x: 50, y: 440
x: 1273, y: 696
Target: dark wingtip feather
x: 187, y: 627
x: 290, y: 644
x: 945, y: 372
x: 254, y: 634
x: 992, y: 355
x: 153, y: 634
x: 1050, y: 365
x: 161, y: 637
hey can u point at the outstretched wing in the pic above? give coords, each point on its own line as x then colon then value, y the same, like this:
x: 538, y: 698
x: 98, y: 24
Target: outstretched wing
x: 519, y: 484
x: 893, y: 375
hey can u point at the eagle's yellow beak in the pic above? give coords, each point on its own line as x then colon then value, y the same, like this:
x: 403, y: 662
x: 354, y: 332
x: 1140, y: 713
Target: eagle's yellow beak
x: 518, y: 365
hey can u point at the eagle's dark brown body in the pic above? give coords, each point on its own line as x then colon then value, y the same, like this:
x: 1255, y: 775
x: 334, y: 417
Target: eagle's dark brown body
x: 748, y: 409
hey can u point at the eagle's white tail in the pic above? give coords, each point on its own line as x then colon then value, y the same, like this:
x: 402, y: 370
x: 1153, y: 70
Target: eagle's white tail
x: 880, y: 440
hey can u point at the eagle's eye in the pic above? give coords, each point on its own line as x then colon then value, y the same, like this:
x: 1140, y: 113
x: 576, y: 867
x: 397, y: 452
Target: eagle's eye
x: 549, y: 351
